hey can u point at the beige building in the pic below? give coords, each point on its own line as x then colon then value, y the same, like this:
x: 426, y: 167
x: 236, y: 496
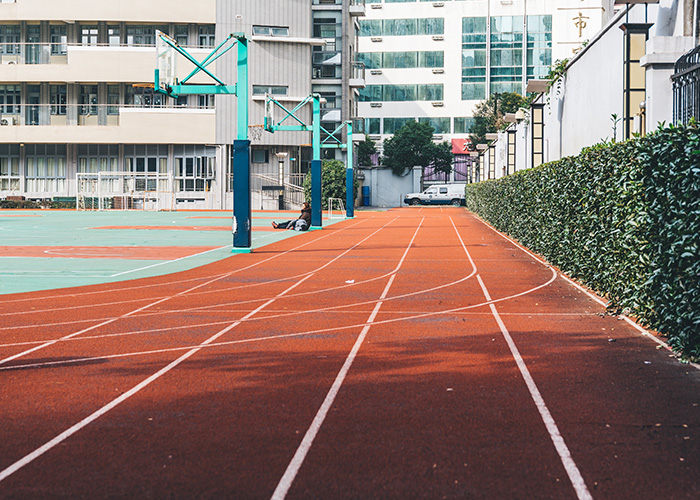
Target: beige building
x: 76, y: 93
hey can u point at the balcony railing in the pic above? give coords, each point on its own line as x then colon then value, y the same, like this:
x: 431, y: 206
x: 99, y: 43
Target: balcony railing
x: 686, y: 87
x: 17, y: 115
x: 55, y: 53
x: 357, y: 76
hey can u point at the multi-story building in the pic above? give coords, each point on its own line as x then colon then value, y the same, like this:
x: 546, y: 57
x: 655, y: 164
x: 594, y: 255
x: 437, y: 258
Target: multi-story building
x: 76, y: 93
x: 434, y: 61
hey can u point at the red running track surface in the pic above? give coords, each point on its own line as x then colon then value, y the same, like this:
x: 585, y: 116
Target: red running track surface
x: 413, y: 353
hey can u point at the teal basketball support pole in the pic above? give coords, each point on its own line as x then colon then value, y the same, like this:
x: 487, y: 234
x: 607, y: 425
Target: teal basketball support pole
x: 242, y: 214
x: 349, y: 178
x: 331, y: 141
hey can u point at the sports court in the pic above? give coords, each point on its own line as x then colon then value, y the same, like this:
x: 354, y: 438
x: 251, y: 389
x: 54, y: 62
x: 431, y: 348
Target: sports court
x: 410, y: 353
x: 43, y: 249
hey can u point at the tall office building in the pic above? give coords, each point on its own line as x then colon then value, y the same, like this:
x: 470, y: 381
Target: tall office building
x: 76, y: 92
x: 433, y: 61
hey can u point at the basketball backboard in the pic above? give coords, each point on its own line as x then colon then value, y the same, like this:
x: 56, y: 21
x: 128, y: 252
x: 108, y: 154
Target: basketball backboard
x: 166, y: 61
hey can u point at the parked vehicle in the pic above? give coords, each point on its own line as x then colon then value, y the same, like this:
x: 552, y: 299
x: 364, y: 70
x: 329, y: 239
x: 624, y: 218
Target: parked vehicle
x: 438, y: 194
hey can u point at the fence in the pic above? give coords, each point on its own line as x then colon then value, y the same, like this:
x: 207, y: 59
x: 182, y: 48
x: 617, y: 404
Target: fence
x: 686, y: 87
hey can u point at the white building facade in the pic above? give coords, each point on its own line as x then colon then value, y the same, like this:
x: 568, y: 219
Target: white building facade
x: 434, y: 61
x: 76, y: 91
x: 619, y: 85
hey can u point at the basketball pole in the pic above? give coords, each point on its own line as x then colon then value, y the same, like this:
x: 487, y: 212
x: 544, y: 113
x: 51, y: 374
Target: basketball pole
x: 349, y: 177
x: 242, y: 213
x: 316, y: 215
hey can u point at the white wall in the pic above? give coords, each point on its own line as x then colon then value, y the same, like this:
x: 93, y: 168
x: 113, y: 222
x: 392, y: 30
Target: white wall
x: 386, y: 189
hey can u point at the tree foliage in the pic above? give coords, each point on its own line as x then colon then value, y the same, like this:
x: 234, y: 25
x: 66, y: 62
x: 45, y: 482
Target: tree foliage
x: 333, y: 182
x: 488, y: 115
x: 412, y: 146
x: 365, y: 150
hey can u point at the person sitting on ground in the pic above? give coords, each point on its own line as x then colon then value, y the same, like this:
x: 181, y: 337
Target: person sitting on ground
x: 301, y: 224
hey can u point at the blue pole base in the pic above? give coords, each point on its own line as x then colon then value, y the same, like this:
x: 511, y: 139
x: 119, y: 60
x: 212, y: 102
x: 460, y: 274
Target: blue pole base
x: 241, y: 250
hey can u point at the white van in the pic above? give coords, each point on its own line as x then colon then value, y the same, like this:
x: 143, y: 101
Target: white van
x: 438, y: 194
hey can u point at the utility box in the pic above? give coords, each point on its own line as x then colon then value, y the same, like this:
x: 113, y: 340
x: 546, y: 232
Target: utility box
x: 365, y: 196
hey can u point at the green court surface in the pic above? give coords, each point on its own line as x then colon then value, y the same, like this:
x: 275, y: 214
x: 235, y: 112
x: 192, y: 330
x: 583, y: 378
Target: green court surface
x: 47, y: 249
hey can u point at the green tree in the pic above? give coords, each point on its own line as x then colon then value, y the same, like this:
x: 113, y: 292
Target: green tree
x: 443, y: 157
x: 488, y: 116
x: 365, y: 150
x: 332, y: 182
x: 412, y: 145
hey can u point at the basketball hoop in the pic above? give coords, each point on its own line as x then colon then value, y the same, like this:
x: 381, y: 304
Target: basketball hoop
x: 255, y: 132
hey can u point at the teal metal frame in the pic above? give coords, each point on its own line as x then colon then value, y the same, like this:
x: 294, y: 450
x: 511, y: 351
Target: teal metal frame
x: 331, y: 141
x: 242, y: 213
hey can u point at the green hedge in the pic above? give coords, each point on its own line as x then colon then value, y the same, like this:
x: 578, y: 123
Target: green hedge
x: 623, y: 218
x: 31, y: 204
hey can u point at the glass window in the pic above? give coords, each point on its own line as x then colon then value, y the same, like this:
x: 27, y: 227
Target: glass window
x: 88, y: 35
x: 9, y: 167
x: 370, y: 27
x: 391, y: 125
x: 59, y: 40
x: 271, y: 30
x: 463, y: 125
x: 58, y: 99
x: 181, y: 34
x: 112, y: 99
x: 9, y: 39
x: 473, y: 91
x: 88, y: 99
x: 432, y: 59
x: 372, y: 125
x: 430, y: 93
x: 269, y: 89
x: 143, y: 34
x: 440, y: 125
x: 399, y: 27
x: 10, y: 99
x: 45, y: 168
x: 431, y: 26
x: 207, y: 35
x: 113, y: 35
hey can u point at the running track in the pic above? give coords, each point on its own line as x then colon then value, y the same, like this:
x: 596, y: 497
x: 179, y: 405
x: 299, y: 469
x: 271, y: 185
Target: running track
x: 413, y: 353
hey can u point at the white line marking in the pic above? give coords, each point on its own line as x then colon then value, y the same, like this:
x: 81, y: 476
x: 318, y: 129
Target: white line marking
x: 567, y: 461
x: 169, y: 261
x: 298, y: 459
x: 131, y: 313
x: 94, y: 416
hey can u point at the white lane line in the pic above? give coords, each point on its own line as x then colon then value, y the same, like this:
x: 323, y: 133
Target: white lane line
x: 168, y: 261
x: 177, y: 282
x: 594, y: 297
x: 94, y: 416
x: 300, y: 455
x: 135, y: 311
x: 564, y: 455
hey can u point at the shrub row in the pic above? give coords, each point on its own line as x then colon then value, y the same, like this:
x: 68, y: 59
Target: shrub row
x: 31, y: 204
x: 622, y: 218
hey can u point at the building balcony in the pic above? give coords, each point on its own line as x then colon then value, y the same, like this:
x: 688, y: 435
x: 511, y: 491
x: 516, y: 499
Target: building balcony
x: 357, y: 8
x: 357, y: 75
x: 34, y: 62
x: 101, y: 124
x: 116, y: 10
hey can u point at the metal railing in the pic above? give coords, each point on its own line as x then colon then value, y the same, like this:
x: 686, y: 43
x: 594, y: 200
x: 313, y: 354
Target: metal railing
x: 293, y: 193
x: 70, y: 114
x: 57, y: 52
x: 686, y: 87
